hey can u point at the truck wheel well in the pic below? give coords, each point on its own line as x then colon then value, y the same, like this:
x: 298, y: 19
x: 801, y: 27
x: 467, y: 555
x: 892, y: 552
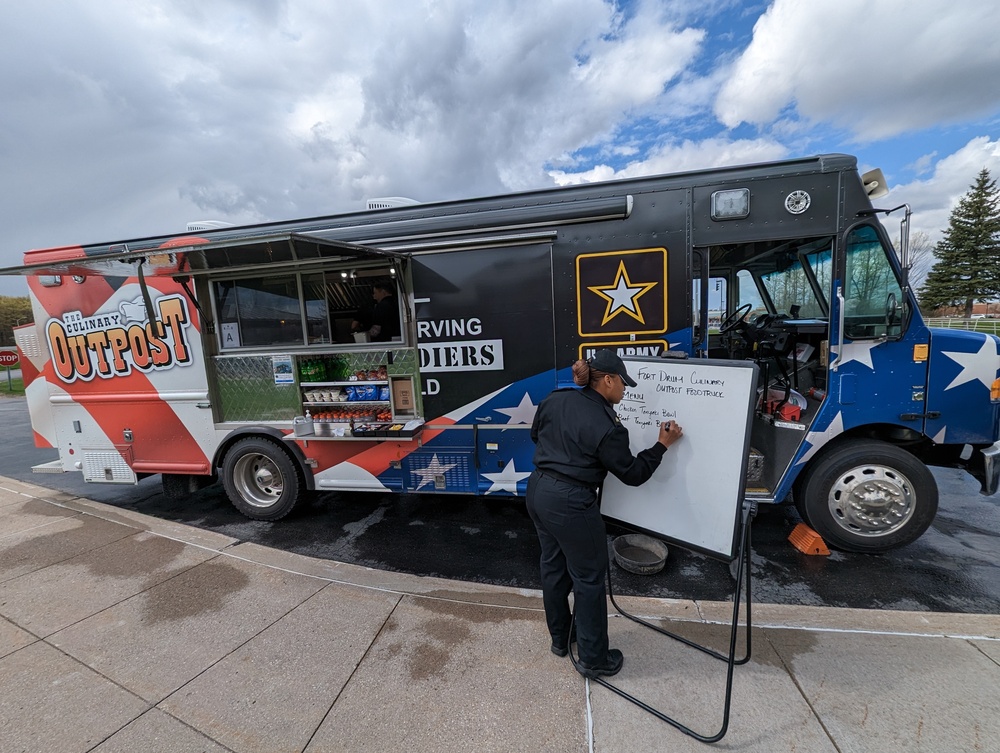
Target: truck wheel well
x: 913, y: 442
x: 265, y: 432
x: 905, y: 439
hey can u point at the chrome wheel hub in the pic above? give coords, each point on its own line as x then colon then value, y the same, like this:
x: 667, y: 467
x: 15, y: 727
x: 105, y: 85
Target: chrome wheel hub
x: 872, y: 500
x: 258, y: 480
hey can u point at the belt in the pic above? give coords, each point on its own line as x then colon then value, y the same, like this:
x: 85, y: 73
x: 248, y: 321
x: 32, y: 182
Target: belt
x: 568, y: 479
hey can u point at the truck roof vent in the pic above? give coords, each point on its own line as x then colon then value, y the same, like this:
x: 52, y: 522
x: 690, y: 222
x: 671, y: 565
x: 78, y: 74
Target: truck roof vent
x: 199, y: 225
x: 388, y: 202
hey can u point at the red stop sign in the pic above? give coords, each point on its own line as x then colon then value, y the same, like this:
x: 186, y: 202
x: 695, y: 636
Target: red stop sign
x: 9, y: 358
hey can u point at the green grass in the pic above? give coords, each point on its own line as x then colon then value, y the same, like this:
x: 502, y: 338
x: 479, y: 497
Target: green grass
x: 16, y: 386
x: 992, y: 326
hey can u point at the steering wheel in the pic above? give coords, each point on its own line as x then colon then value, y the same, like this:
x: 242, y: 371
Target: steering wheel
x: 735, y: 318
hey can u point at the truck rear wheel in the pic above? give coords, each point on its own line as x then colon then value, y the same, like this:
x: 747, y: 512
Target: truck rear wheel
x: 868, y: 496
x: 260, y: 479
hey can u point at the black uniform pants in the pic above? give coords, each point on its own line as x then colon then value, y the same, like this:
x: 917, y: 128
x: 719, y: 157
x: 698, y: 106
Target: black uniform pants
x: 574, y: 558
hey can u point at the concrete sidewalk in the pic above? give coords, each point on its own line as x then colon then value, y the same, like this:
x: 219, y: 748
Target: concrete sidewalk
x: 120, y: 632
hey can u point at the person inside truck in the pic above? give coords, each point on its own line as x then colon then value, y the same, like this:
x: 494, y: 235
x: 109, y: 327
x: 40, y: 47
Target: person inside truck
x: 579, y: 439
x: 362, y: 321
x: 385, y: 315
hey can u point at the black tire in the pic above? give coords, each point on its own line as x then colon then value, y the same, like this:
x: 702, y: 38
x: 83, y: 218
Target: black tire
x: 868, y: 496
x: 261, y: 479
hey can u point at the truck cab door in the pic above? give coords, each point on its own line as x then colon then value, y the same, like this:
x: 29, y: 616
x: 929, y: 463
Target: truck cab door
x: 876, y: 372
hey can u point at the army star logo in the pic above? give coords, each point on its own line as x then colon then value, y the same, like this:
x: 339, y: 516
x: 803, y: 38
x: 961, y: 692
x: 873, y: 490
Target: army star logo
x: 622, y: 295
x: 611, y: 292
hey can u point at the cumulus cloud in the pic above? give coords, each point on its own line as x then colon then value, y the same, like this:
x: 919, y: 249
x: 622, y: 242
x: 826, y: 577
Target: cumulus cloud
x: 491, y: 102
x: 126, y: 119
x: 876, y: 69
x: 682, y: 157
x: 933, y: 199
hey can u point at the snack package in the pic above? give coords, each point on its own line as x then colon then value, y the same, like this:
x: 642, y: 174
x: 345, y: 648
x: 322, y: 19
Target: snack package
x: 367, y: 392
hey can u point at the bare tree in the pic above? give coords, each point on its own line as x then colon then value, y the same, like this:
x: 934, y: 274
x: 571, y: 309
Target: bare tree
x: 921, y: 256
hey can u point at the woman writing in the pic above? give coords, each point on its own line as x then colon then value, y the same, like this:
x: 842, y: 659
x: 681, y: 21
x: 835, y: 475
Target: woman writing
x: 579, y: 439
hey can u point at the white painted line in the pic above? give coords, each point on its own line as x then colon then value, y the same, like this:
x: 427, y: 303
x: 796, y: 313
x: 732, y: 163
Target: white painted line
x: 590, y: 716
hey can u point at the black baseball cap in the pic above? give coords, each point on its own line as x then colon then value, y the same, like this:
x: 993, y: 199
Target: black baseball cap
x: 609, y: 362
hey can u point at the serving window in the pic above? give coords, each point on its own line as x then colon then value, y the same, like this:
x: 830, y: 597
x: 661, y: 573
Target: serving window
x: 255, y: 312
x: 304, y: 308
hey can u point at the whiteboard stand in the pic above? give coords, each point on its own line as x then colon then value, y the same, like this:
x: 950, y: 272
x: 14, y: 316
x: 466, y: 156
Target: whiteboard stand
x: 742, y: 571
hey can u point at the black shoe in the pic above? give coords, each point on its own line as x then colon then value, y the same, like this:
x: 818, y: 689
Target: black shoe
x: 561, y: 648
x: 610, y: 666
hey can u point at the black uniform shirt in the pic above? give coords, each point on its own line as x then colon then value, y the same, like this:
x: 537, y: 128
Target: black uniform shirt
x: 386, y: 316
x: 579, y: 436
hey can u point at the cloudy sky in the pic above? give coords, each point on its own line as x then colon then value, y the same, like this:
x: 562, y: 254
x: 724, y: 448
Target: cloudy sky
x: 126, y: 118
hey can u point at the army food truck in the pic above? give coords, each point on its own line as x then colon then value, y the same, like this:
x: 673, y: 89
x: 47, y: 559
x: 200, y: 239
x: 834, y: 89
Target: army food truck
x: 235, y: 353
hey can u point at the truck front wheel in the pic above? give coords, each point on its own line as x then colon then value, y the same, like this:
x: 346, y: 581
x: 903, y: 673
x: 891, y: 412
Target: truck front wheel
x: 260, y: 479
x: 868, y: 496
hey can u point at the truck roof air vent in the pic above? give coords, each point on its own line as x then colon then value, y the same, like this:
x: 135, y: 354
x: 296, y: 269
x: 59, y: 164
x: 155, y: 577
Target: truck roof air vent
x: 199, y: 225
x: 388, y: 202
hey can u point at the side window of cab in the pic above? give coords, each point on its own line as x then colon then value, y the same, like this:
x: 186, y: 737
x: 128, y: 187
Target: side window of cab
x: 873, y: 297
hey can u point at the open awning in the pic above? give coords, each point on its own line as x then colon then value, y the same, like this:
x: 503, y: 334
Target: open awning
x: 193, y: 256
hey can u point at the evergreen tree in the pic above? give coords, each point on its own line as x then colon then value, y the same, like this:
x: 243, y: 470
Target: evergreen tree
x: 968, y: 256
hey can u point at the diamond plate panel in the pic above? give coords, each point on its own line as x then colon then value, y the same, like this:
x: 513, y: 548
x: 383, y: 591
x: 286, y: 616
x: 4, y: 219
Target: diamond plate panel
x: 404, y: 363
x: 106, y: 467
x: 247, y: 391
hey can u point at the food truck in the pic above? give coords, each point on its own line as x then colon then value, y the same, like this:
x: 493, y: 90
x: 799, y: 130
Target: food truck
x: 241, y: 354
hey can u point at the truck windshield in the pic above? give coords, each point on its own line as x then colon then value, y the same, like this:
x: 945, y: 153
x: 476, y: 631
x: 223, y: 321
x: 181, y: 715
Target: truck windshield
x: 797, y: 285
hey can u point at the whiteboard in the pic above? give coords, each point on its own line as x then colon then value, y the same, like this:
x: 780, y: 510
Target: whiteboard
x: 694, y: 499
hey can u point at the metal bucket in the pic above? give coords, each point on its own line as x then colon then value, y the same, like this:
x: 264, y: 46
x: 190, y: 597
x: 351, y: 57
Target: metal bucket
x: 640, y: 554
